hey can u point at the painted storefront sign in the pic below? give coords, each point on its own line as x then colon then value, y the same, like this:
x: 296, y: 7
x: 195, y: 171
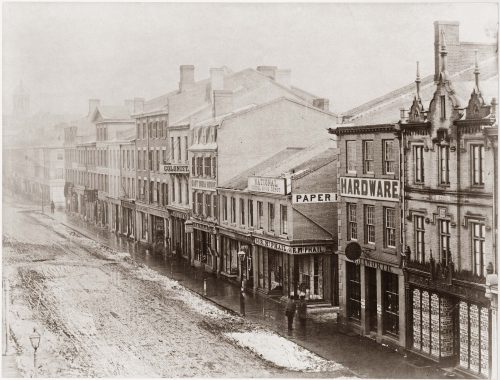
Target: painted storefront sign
x: 314, y: 198
x: 203, y: 184
x: 380, y: 189
x: 292, y: 250
x: 175, y: 168
x: 267, y: 185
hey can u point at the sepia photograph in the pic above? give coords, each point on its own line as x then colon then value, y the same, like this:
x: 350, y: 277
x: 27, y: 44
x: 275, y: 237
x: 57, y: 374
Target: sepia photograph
x: 249, y: 190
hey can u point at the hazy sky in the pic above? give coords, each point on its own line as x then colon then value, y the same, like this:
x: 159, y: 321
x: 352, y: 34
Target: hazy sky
x: 66, y: 53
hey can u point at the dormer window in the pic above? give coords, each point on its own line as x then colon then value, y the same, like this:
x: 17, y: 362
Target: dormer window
x: 443, y: 107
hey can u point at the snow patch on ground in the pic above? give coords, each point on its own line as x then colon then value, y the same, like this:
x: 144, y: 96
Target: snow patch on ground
x: 282, y: 352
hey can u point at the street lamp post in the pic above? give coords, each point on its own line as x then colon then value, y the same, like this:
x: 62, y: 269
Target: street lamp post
x: 35, y: 343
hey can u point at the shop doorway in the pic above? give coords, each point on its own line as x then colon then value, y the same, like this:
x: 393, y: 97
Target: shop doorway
x: 371, y: 297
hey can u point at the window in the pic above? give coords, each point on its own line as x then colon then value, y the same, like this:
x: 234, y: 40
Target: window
x: 389, y: 159
x: 165, y: 129
x: 193, y: 166
x: 155, y: 129
x: 173, y: 189
x: 214, y: 166
x: 139, y: 133
x: 478, y: 235
x: 270, y: 225
x: 185, y: 149
x: 179, y: 159
x: 444, y: 164
x: 224, y: 207
x: 151, y: 184
x: 260, y: 214
x: 199, y: 203
x: 233, y: 210
x: 283, y: 219
x: 477, y: 164
x: 208, y: 166
x: 390, y: 227
x: 150, y: 159
x: 418, y: 157
x: 208, y: 205
x: 250, y: 213
x: 419, y: 238
x: 199, y: 166
x: 215, y: 202
x: 370, y: 224
x: 352, y: 225
x: 160, y: 129
x: 150, y: 129
x: 443, y: 106
x: 144, y: 130
x: 351, y: 156
x: 368, y: 156
x: 171, y: 149
x: 194, y: 202
x: 242, y: 211
x: 444, y: 241
x: 164, y: 194
x: 353, y: 291
x: 157, y: 160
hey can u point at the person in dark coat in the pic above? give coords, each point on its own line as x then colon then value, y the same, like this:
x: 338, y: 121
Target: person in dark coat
x: 302, y: 311
x: 290, y: 311
x: 52, y: 207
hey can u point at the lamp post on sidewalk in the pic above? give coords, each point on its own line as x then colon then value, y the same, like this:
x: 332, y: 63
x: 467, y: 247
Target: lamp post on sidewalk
x: 35, y: 343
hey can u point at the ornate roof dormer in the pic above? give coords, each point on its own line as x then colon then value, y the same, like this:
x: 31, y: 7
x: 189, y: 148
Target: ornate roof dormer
x: 417, y: 111
x: 477, y: 108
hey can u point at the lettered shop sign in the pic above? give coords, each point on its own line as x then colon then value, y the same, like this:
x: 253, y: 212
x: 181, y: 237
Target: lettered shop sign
x: 383, y: 189
x: 314, y: 198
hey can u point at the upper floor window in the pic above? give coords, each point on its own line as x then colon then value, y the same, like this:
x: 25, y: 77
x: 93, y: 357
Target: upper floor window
x: 477, y: 164
x: 352, y: 224
x: 370, y: 224
x: 389, y: 159
x: 185, y: 149
x: 242, y: 211
x: 199, y: 166
x: 208, y: 205
x: 260, y: 214
x: 144, y: 130
x: 478, y: 237
x: 193, y: 166
x: 444, y: 164
x: 150, y: 129
x: 419, y: 238
x: 250, y: 212
x: 368, y: 156
x: 418, y: 158
x: 390, y: 227
x: 233, y: 210
x: 443, y: 106
x: 284, y: 219
x: 351, y: 156
x: 171, y: 149
x: 215, y: 202
x: 444, y: 241
x: 208, y: 166
x: 214, y: 166
x: 271, y: 216
x: 224, y: 207
x: 199, y: 201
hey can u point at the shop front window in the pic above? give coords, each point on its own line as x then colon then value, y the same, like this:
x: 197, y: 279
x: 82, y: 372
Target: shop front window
x: 390, y: 316
x: 275, y: 270
x: 353, y: 291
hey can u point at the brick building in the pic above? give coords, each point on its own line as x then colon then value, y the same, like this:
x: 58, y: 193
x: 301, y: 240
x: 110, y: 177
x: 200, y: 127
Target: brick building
x: 277, y: 231
x: 371, y: 288
x: 450, y: 154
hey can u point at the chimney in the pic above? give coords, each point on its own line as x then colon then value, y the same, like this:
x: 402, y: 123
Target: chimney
x: 187, y: 77
x: 129, y: 103
x: 322, y: 104
x: 216, y: 81
x: 283, y: 77
x: 223, y: 102
x: 267, y: 70
x: 138, y: 105
x: 451, y: 34
x: 93, y: 104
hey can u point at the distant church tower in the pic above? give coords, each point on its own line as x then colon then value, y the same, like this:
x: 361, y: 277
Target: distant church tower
x: 21, y: 101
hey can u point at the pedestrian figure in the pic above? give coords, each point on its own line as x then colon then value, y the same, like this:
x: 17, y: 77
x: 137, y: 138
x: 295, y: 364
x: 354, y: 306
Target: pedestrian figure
x: 302, y: 311
x: 242, y: 302
x: 52, y: 206
x: 290, y: 311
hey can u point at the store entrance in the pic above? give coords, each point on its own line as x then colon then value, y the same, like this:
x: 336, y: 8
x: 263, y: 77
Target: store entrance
x: 371, y: 297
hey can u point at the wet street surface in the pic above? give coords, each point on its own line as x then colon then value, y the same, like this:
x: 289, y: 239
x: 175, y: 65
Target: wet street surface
x: 123, y: 317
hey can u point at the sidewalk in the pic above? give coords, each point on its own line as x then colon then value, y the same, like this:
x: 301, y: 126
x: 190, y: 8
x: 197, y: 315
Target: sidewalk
x: 363, y: 356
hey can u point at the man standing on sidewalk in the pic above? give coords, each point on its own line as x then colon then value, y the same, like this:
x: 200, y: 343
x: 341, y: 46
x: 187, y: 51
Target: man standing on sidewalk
x: 290, y: 311
x: 52, y: 206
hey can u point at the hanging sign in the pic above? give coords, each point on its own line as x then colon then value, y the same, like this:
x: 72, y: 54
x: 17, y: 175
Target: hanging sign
x: 381, y: 189
x: 314, y: 198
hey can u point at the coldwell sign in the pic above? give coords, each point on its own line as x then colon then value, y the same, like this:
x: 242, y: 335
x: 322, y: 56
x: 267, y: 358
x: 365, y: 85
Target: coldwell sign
x: 381, y: 189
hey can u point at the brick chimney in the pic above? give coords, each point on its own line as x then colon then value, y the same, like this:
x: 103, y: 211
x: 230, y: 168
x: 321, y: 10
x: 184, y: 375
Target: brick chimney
x: 322, y: 104
x: 267, y: 70
x: 283, y: 77
x: 138, y: 105
x: 452, y: 40
x: 223, y: 102
x: 186, y: 77
x: 216, y: 81
x: 93, y: 104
